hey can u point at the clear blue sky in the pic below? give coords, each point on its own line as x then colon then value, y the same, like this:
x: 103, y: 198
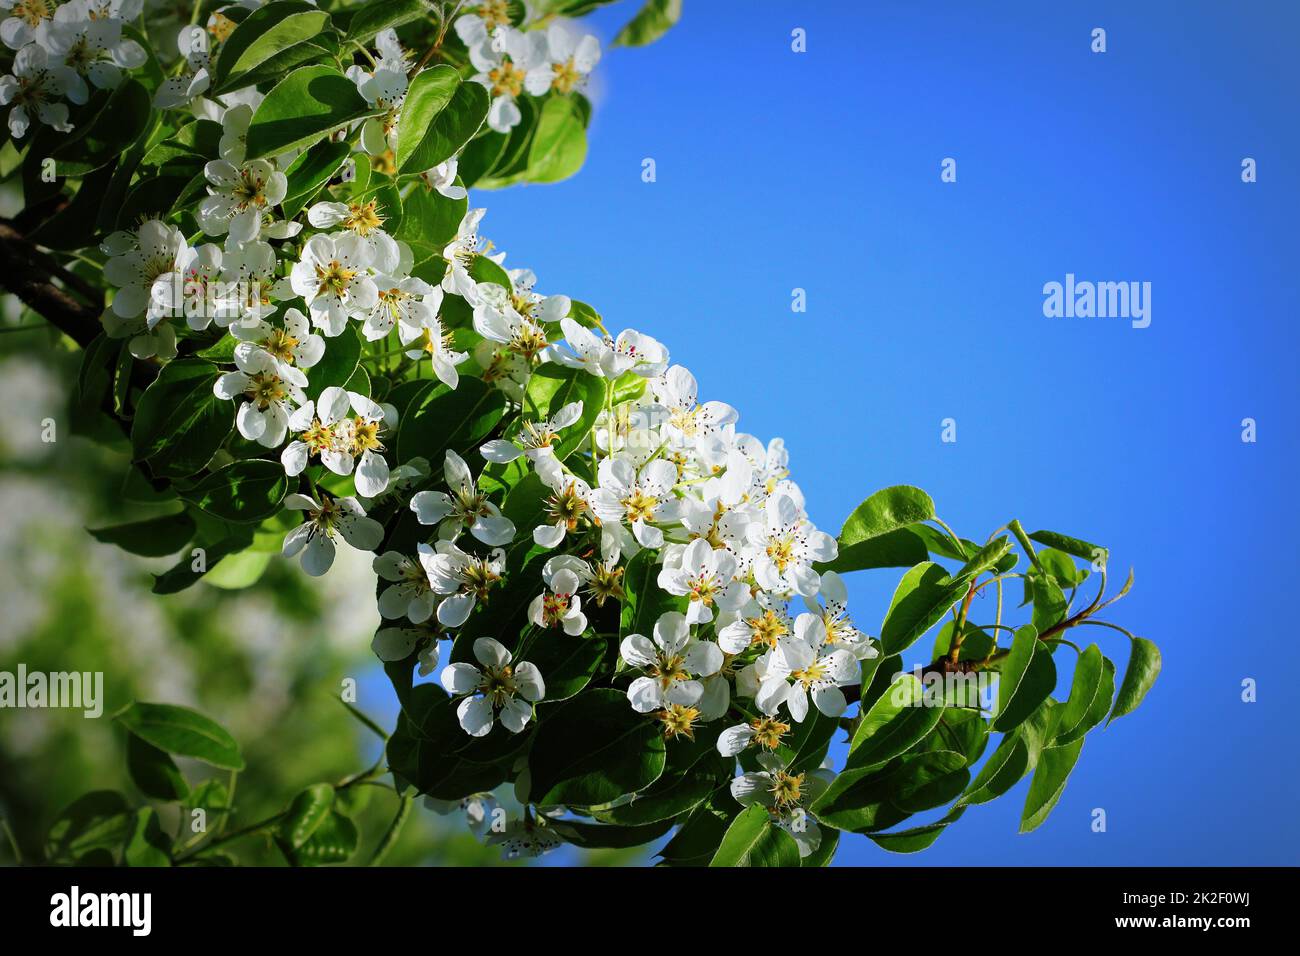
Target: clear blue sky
x: 821, y: 170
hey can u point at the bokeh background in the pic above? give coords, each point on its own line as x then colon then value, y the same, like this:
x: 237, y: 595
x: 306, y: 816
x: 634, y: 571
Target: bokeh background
x: 820, y: 170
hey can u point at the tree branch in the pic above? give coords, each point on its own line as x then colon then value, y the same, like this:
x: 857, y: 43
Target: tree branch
x: 30, y: 275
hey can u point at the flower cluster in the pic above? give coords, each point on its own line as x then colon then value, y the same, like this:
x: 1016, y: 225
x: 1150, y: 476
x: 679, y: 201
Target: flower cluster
x: 63, y: 50
x: 660, y: 471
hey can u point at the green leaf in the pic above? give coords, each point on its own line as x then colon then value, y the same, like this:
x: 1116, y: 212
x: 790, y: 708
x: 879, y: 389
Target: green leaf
x: 567, y: 663
x: 599, y: 836
x: 376, y: 15
x: 236, y: 571
x: 439, y: 115
x: 901, y: 548
x: 440, y: 418
x: 121, y: 120
x: 1000, y: 772
x: 1054, y: 767
x: 147, y: 844
x: 861, y: 800
x: 334, y: 840
x: 430, y: 750
x: 923, y: 596
x: 309, y: 172
x: 179, y: 730
x: 179, y: 423
x: 99, y: 820
x: 559, y: 145
x: 651, y: 22
x: 337, y: 365
x: 1027, y: 677
x: 302, y: 108
x: 153, y: 771
x: 915, y: 839
x: 151, y: 538
x: 1050, y: 604
x: 982, y: 560
x: 895, y: 724
x: 753, y: 840
x: 1075, y: 546
x: 644, y: 600
x: 1142, y: 671
x: 263, y: 34
x: 887, y: 510
x: 593, y: 749
x: 308, y: 810
x: 682, y: 787
x: 431, y: 219
x: 243, y: 491
x: 1087, y: 682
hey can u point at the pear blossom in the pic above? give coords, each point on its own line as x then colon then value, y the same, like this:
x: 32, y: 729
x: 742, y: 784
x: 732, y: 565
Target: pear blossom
x: 568, y: 62
x: 32, y: 89
x: 787, y: 544
x: 364, y: 221
x: 785, y: 794
x: 480, y: 811
x: 249, y: 271
x: 238, y: 196
x: 181, y: 89
x: 766, y: 732
x: 816, y: 669
x: 500, y: 689
x: 331, y: 276
x: 559, y: 605
x: 567, y: 507
x: 291, y: 342
x: 463, y: 578
x: 706, y: 577
x: 151, y: 255
x: 327, y: 520
x: 536, y: 440
x: 465, y: 507
x: 459, y: 254
x: 639, y: 497
x: 409, y: 595
x: 91, y: 48
x: 503, y: 62
x: 271, y: 391
x: 831, y: 606
x: 670, y: 664
x: 429, y: 339
x: 688, y: 421
x: 410, y: 302
x: 442, y: 180
x: 25, y: 20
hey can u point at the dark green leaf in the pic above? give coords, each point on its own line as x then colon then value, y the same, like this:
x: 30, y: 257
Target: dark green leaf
x: 593, y: 749
x: 153, y: 771
x: 439, y: 115
x: 179, y: 423
x: 754, y: 840
x: 243, y: 491
x: 1027, y: 677
x: 179, y: 730
x: 1142, y: 671
x: 304, y: 107
x: 309, y: 809
x: 151, y: 538
x: 1045, y: 789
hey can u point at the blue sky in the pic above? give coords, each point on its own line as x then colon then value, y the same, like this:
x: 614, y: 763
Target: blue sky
x: 820, y: 170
